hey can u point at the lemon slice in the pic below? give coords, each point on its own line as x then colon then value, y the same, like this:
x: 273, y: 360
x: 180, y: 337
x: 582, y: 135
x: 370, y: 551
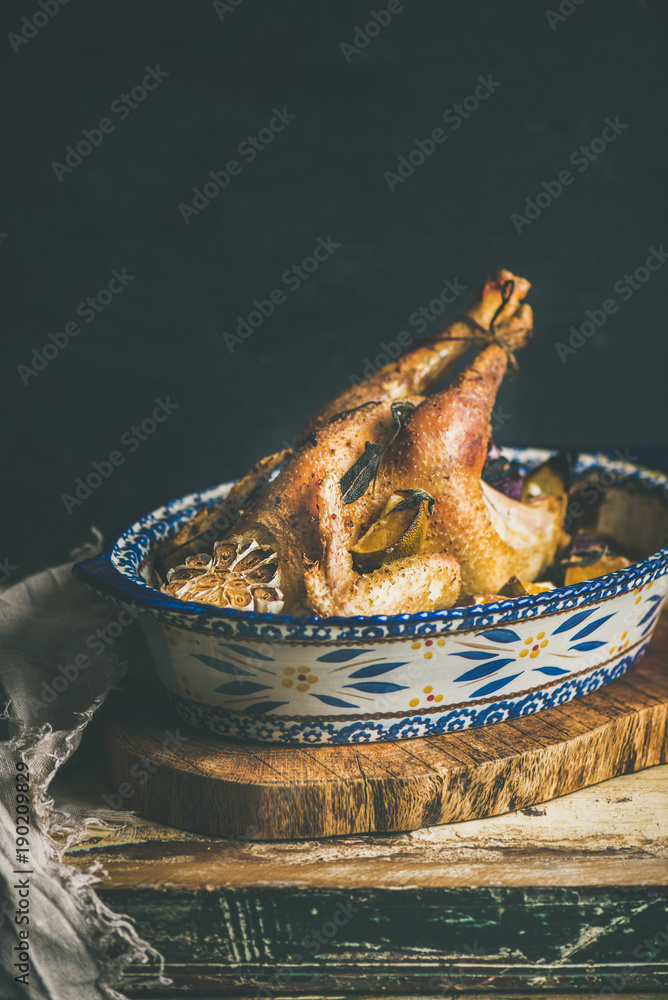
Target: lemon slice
x: 399, y: 532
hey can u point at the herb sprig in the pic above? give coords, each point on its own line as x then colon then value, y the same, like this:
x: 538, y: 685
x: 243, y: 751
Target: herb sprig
x: 359, y: 477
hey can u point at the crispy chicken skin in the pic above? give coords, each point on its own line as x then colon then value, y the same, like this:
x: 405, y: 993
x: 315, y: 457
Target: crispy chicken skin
x: 443, y: 447
x: 476, y: 538
x: 303, y: 516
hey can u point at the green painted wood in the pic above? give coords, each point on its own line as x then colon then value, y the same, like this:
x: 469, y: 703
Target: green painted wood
x: 432, y: 940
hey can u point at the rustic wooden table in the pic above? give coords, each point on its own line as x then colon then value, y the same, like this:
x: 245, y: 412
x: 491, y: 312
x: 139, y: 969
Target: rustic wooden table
x: 568, y: 897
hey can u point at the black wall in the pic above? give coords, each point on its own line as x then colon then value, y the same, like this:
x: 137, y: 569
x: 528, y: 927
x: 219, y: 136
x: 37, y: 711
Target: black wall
x: 554, y: 83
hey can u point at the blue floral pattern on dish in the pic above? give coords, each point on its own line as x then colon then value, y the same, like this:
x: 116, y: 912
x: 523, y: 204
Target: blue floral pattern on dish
x: 371, y: 731
x: 426, y: 691
x: 283, y: 679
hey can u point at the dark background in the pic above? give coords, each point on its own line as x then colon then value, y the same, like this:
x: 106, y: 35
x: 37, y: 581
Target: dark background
x: 323, y: 175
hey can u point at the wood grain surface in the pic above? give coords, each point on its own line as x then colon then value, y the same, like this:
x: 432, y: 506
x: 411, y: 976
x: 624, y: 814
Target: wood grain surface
x: 183, y: 778
x: 611, y: 834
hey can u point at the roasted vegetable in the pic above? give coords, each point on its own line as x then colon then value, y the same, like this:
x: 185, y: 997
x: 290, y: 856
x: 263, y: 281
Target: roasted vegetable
x: 584, y: 550
x: 539, y: 587
x: 513, y: 588
x: 607, y: 564
x: 520, y: 588
x: 503, y: 475
x: 552, y: 478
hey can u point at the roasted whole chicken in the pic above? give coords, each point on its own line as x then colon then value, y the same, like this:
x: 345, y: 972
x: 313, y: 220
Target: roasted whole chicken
x: 381, y: 507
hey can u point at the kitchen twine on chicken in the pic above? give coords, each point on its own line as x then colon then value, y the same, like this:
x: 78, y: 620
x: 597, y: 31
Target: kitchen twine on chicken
x: 492, y: 335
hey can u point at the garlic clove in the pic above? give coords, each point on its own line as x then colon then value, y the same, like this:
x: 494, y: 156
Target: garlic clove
x: 268, y: 599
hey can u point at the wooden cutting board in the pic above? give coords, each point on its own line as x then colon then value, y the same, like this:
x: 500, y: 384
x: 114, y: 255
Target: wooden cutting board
x: 167, y: 772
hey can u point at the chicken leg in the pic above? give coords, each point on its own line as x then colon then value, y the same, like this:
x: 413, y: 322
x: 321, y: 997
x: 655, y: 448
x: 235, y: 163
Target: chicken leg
x: 442, y: 447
